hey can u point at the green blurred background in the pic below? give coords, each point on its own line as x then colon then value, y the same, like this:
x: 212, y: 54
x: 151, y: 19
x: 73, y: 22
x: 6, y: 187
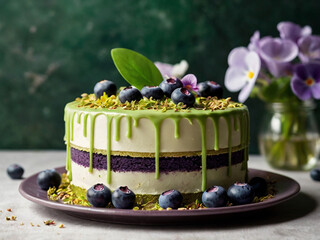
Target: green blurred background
x: 52, y: 51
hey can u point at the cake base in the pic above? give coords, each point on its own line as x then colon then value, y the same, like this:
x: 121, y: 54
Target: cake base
x: 146, y: 183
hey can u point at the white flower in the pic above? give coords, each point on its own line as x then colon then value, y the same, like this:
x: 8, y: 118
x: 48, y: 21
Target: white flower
x: 244, y: 67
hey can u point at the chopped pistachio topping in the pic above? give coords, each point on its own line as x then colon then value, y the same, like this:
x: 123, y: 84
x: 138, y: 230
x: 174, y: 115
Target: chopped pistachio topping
x: 209, y: 103
x: 70, y: 194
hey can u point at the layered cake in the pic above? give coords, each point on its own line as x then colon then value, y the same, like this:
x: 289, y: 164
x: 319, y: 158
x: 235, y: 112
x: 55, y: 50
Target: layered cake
x: 152, y: 150
x: 157, y: 134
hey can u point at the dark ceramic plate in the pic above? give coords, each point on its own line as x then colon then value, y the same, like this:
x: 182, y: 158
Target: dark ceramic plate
x: 286, y: 189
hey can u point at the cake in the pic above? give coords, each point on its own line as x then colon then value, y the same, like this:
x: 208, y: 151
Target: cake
x: 151, y: 151
x: 180, y: 139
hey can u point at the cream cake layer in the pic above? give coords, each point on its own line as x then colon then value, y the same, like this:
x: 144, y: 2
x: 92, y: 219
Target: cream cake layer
x: 145, y: 183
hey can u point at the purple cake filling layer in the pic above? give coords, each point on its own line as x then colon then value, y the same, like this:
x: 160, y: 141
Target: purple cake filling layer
x: 166, y: 164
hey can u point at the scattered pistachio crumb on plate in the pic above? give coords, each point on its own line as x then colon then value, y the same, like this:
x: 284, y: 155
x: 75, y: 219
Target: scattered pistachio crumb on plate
x: 49, y: 222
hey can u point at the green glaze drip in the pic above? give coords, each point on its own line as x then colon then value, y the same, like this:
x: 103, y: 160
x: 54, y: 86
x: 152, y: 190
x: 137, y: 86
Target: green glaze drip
x: 242, y: 130
x: 68, y: 157
x: 109, y: 122
x: 129, y: 120
x: 79, y: 118
x: 202, y: 122
x: 235, y: 123
x: 72, y: 123
x: 157, y: 127
x: 117, y: 126
x: 92, y: 123
x: 228, y: 120
x: 136, y: 122
x: 216, y: 132
x: 85, y: 118
x: 176, y: 127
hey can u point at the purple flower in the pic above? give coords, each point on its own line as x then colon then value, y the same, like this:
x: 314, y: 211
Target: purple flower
x: 309, y: 48
x: 168, y: 70
x: 244, y: 67
x: 254, y: 45
x: 164, y: 68
x: 305, y: 82
x: 254, y: 42
x: 277, y: 54
x: 292, y: 31
x: 190, y: 82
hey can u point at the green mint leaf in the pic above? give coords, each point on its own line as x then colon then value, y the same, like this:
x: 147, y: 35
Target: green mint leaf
x: 135, y: 68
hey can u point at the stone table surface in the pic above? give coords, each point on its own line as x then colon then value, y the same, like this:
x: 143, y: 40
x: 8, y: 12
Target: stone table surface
x: 297, y: 218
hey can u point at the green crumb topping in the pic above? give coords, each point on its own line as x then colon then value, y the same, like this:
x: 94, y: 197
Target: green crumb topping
x: 67, y: 194
x: 70, y: 194
x: 112, y: 102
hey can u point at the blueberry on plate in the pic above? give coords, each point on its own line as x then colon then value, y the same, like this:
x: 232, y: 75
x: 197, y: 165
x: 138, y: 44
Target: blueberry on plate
x: 215, y: 196
x: 99, y: 195
x: 15, y: 171
x: 240, y: 193
x: 259, y: 186
x: 183, y: 95
x: 123, y: 198
x: 215, y: 89
x: 48, y: 178
x: 170, y: 199
x: 105, y: 86
x: 155, y: 92
x: 204, y: 89
x: 315, y: 174
x: 169, y: 85
x: 129, y: 94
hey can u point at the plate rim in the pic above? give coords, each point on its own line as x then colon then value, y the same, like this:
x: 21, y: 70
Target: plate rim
x: 77, y: 209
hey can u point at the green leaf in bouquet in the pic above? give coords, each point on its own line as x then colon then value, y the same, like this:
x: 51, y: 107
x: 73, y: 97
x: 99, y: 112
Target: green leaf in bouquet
x: 135, y: 68
x: 270, y: 92
x: 278, y: 90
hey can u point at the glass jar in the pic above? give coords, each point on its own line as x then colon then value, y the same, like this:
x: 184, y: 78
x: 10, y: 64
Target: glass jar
x: 289, y: 137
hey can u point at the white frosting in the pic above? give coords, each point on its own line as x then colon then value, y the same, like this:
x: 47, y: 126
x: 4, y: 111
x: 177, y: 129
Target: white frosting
x: 142, y: 183
x: 143, y: 135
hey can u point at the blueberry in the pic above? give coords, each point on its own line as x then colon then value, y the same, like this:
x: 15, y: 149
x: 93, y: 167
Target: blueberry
x: 129, y: 94
x: 170, y: 199
x: 315, y: 174
x: 48, y: 178
x: 105, y: 86
x: 169, y: 85
x: 259, y: 186
x: 123, y: 198
x: 15, y: 171
x: 215, y: 89
x: 240, y: 193
x: 210, y: 88
x: 215, y: 196
x: 154, y: 92
x: 99, y: 195
x: 183, y: 95
x: 204, y: 89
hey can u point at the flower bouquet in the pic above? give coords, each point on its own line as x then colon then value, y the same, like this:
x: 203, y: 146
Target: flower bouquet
x: 285, y: 73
